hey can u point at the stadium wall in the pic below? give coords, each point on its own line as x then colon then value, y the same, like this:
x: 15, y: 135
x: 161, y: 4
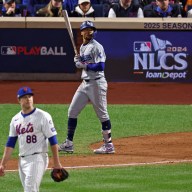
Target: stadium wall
x: 137, y: 49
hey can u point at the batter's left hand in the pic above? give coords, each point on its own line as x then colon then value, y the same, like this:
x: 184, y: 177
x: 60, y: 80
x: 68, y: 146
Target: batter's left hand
x: 81, y: 65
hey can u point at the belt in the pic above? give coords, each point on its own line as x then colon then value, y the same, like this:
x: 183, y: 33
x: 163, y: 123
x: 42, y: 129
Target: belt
x: 31, y: 154
x: 88, y: 80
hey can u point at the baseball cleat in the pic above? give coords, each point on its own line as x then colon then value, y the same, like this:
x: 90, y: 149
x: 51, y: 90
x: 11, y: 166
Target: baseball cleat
x: 106, y: 148
x: 66, y: 146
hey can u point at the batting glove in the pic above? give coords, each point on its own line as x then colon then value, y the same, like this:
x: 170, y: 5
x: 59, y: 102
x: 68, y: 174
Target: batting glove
x: 81, y: 65
x: 77, y: 58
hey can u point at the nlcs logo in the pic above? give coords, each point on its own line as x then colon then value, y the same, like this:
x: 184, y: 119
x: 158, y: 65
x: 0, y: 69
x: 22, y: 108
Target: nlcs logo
x: 160, y: 59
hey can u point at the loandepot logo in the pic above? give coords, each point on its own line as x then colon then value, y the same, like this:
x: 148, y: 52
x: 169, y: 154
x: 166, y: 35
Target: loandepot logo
x: 23, y: 50
x: 158, y: 59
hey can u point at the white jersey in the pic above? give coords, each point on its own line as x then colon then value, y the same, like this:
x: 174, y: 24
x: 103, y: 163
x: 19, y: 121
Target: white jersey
x: 32, y: 131
x: 93, y: 52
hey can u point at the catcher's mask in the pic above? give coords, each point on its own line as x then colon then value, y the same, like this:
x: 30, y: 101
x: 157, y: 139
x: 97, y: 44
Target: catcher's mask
x: 89, y: 24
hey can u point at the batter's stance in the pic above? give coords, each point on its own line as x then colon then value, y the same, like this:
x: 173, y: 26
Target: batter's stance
x: 93, y: 88
x: 33, y: 128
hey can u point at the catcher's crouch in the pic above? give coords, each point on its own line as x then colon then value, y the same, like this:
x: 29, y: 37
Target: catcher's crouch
x: 93, y: 88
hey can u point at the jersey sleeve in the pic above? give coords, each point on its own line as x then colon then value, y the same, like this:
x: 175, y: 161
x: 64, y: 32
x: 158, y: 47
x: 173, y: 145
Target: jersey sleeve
x: 48, y: 126
x: 99, y: 54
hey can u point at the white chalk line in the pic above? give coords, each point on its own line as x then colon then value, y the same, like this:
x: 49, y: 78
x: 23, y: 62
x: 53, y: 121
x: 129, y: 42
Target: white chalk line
x: 120, y: 165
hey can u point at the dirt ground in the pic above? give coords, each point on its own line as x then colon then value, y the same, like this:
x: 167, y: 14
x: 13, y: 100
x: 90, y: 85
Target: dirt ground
x: 132, y: 150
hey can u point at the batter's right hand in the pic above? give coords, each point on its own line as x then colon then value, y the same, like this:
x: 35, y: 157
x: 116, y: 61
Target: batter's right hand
x: 77, y: 58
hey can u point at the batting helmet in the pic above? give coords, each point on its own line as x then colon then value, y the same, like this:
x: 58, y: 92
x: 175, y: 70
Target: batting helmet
x: 87, y: 24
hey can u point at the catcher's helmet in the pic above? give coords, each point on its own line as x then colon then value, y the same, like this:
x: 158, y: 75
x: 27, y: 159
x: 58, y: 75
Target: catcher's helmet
x: 87, y: 24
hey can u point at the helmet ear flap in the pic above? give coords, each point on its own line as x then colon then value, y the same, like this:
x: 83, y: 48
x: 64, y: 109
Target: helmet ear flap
x: 94, y: 33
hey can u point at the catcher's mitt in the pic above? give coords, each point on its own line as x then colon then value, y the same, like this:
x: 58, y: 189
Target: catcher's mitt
x: 59, y: 174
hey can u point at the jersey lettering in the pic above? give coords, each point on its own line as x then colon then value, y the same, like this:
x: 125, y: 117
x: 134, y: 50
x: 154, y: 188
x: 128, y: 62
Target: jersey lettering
x: 22, y: 130
x: 85, y: 58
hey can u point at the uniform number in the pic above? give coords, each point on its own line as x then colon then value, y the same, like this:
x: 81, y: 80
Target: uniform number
x: 31, y: 139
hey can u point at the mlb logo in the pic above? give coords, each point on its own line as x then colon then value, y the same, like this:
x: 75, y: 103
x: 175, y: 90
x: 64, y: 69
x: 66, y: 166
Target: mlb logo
x: 142, y: 46
x: 8, y: 50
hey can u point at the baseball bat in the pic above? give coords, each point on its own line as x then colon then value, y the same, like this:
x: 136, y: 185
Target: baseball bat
x: 68, y: 25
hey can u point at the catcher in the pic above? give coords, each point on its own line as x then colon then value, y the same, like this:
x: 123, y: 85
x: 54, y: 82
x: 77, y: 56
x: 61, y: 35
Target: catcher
x: 33, y: 128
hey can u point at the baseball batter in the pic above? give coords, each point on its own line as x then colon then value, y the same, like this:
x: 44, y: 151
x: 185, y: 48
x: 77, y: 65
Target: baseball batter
x: 93, y: 88
x: 33, y: 128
